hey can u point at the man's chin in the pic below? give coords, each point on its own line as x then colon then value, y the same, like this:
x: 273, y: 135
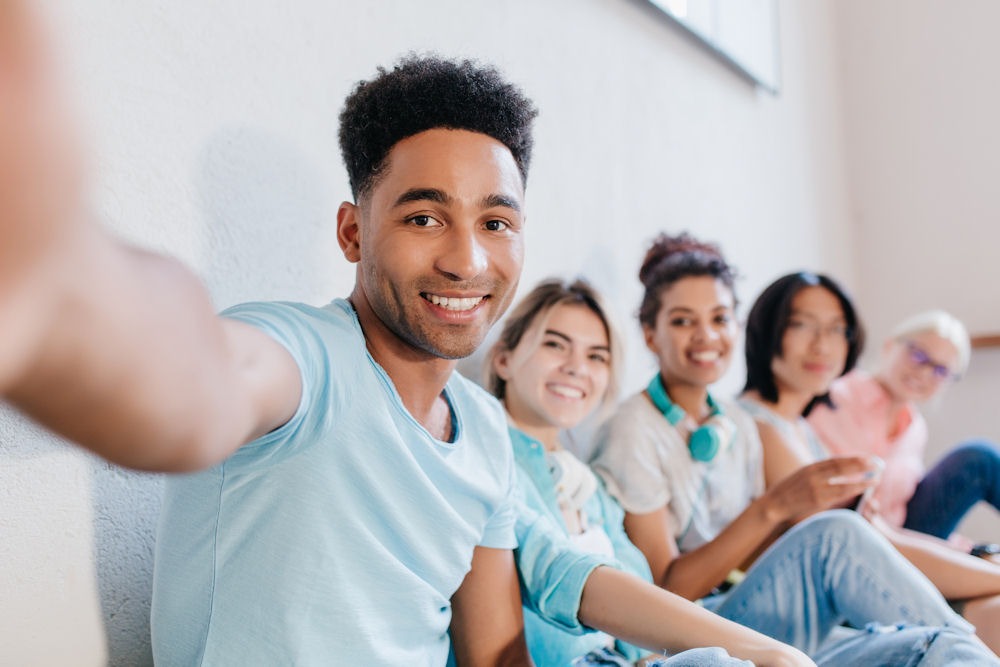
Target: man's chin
x: 454, y: 346
x: 451, y: 343
x: 453, y: 353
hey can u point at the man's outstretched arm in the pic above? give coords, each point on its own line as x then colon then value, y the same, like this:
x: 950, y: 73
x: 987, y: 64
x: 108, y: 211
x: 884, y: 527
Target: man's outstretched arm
x: 115, y: 348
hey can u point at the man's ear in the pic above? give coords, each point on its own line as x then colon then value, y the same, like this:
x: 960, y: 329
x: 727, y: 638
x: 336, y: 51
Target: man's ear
x: 349, y: 231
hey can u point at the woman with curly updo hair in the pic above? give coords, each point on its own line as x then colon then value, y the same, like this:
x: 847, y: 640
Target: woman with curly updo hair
x: 687, y: 468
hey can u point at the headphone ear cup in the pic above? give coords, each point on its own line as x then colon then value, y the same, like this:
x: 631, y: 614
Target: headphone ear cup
x: 704, y: 443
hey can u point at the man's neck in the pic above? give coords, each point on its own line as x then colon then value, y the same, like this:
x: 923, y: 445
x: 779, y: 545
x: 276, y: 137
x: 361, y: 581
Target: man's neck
x: 418, y: 376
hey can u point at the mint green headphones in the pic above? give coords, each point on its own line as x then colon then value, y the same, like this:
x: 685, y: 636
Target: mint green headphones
x: 705, y: 441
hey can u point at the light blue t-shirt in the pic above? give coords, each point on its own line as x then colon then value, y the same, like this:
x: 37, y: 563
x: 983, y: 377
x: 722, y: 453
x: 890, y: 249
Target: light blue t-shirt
x: 340, y: 537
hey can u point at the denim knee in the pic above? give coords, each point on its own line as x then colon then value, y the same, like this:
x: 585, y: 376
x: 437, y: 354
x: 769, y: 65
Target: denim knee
x: 907, y: 646
x: 846, y: 524
x: 950, y: 646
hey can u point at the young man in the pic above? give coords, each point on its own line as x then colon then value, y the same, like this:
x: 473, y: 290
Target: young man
x: 378, y: 479
x: 355, y: 500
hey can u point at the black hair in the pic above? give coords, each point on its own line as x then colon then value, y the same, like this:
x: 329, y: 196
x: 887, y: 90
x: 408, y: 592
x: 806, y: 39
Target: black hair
x: 671, y: 258
x: 423, y: 93
x: 768, y: 320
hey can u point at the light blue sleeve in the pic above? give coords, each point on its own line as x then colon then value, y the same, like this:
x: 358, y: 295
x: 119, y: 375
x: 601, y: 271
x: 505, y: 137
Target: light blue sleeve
x: 294, y: 327
x: 552, y: 571
x: 500, y: 532
x: 613, y: 516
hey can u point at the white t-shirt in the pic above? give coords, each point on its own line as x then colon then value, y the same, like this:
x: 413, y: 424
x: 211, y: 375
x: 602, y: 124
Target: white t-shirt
x: 645, y: 463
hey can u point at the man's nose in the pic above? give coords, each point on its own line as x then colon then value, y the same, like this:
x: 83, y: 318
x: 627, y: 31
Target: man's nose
x: 462, y: 256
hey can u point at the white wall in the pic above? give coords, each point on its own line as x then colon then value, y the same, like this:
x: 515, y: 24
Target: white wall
x: 214, y: 128
x: 924, y: 152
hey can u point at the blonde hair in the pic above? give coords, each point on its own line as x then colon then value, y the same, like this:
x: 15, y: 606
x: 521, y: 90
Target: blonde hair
x: 939, y: 323
x: 536, y: 307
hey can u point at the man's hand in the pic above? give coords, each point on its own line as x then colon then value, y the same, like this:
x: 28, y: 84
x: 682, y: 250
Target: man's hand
x: 40, y: 179
x: 40, y: 170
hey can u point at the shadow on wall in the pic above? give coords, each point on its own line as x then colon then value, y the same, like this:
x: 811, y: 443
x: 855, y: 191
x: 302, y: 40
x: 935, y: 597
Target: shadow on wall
x: 126, y: 505
x: 266, y: 235
x: 22, y: 439
x: 270, y: 229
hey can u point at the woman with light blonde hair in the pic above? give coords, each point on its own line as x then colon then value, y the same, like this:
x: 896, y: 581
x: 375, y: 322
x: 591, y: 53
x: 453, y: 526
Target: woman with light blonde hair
x: 878, y: 414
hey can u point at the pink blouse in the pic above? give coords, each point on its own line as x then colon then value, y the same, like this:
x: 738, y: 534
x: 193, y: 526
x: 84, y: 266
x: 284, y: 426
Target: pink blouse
x: 858, y: 424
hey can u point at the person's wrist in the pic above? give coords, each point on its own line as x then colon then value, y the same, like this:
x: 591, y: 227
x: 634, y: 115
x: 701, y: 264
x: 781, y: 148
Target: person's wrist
x: 771, y: 512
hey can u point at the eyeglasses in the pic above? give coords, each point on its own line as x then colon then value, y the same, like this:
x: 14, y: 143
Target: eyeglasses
x: 812, y: 330
x: 920, y: 358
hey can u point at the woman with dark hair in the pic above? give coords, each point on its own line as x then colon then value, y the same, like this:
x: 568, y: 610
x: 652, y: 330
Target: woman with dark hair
x: 772, y: 313
x: 803, y: 333
x: 687, y: 468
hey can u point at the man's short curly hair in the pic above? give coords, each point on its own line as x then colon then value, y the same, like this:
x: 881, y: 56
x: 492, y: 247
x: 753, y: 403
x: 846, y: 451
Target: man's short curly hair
x: 424, y: 92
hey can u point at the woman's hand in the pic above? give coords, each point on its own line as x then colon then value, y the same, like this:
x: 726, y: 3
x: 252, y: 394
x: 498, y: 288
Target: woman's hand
x: 820, y: 486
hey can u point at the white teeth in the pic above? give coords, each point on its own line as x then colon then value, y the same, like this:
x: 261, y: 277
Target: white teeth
x: 566, y: 392
x: 707, y: 355
x: 454, y: 303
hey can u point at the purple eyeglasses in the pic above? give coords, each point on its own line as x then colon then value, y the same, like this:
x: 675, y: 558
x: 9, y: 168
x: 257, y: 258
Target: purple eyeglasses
x: 920, y: 358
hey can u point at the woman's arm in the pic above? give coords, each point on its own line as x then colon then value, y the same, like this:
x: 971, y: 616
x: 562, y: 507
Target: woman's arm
x: 629, y: 608
x: 781, y: 457
x: 694, y: 574
x: 839, y: 486
x: 957, y: 575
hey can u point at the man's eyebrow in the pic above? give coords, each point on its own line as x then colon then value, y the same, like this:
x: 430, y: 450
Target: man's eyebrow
x: 442, y: 197
x: 424, y: 194
x: 491, y: 201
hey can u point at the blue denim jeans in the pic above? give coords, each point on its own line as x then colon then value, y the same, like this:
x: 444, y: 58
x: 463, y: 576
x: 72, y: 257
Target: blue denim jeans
x: 967, y: 474
x: 834, y: 569
x: 905, y: 646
